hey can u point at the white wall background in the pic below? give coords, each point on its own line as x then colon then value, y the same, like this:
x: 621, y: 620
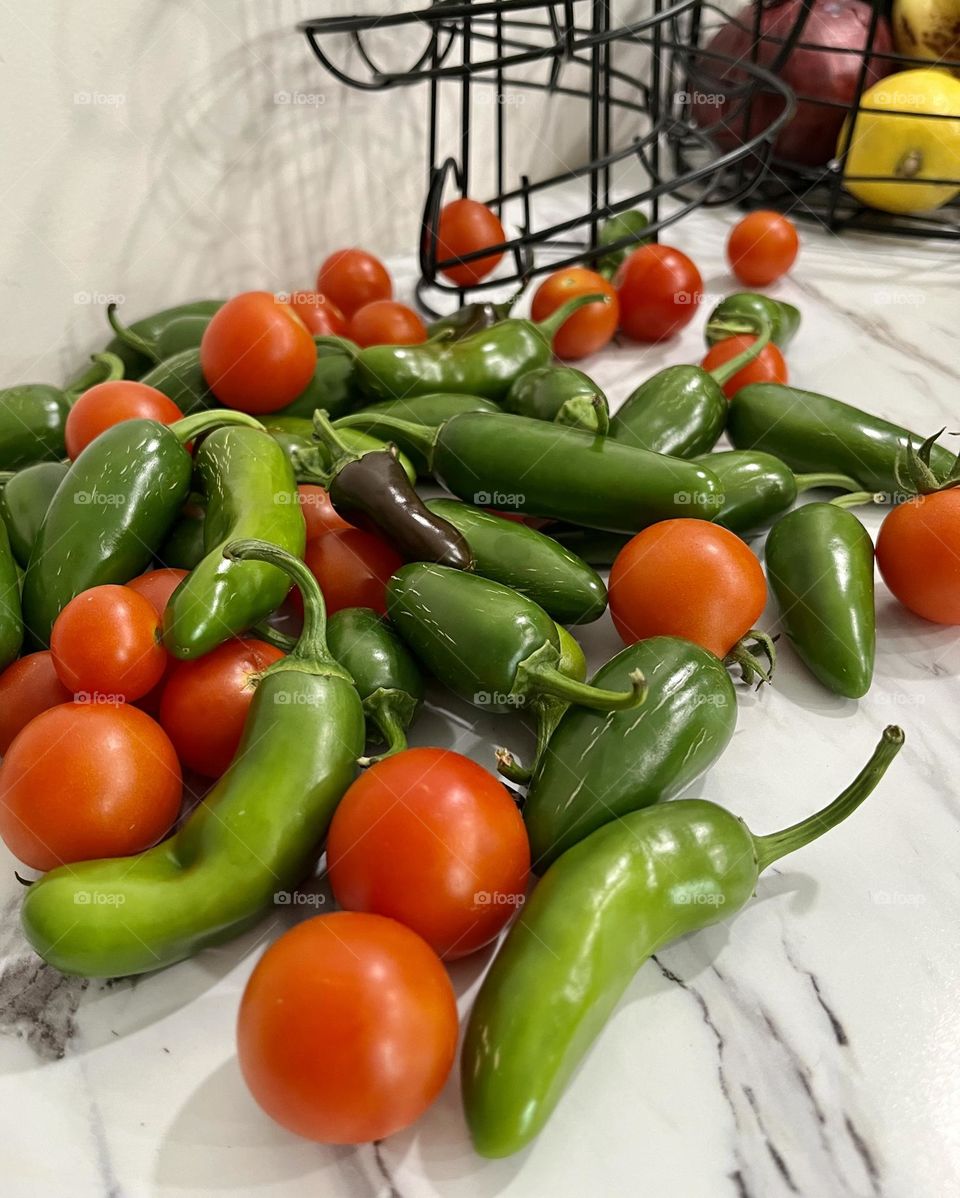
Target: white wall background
x: 148, y: 153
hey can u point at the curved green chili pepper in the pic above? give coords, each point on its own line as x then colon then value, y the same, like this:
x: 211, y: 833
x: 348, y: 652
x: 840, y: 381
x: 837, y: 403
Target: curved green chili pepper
x: 523, y: 465
x: 629, y: 224
x: 111, y: 512
x: 820, y: 566
x: 747, y: 312
x: 11, y: 616
x: 491, y: 646
x: 559, y: 393
x: 180, y: 379
x: 311, y: 460
x: 250, y: 493
x: 24, y: 501
x: 485, y: 363
x: 254, y: 838
x: 757, y: 486
x: 153, y: 328
x: 813, y: 432
x: 471, y: 318
x: 682, y: 410
x: 524, y: 559
x: 173, y: 337
x: 599, y: 913
x: 182, y: 548
x: 602, y: 766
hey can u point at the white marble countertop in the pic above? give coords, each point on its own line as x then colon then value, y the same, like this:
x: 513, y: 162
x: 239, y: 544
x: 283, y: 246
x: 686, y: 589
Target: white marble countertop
x: 811, y: 1046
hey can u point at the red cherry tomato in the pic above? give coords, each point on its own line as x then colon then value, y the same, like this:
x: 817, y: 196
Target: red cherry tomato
x: 319, y: 513
x: 347, y: 1028
x: 762, y: 247
x: 589, y: 328
x: 430, y: 838
x: 106, y: 642
x: 256, y: 354
x: 687, y: 578
x: 28, y: 687
x: 767, y: 367
x: 353, y: 567
x: 659, y: 289
x: 353, y: 278
x: 918, y: 552
x: 466, y: 226
x: 385, y: 322
x: 156, y: 586
x: 110, y: 403
x: 87, y: 780
x: 321, y: 315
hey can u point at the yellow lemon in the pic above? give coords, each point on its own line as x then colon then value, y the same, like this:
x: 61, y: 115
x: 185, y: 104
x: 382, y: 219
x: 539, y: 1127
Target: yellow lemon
x: 906, y: 149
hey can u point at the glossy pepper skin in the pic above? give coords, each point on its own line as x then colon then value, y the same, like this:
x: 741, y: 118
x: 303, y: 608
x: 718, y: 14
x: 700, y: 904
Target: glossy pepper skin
x: 155, y: 328
x: 524, y: 559
x: 383, y: 670
x: 258, y: 832
x: 309, y: 460
x: 182, y: 548
x: 813, y: 432
x: 173, y: 337
x: 180, y: 378
x: 11, y: 616
x: 601, y: 766
x: 333, y: 386
x: 111, y: 512
x: 746, y: 312
x: 484, y: 364
x: 24, y: 501
x: 820, y: 566
x: 515, y: 463
x: 757, y: 487
x: 250, y: 493
x: 592, y: 545
x: 560, y: 393
x: 599, y: 913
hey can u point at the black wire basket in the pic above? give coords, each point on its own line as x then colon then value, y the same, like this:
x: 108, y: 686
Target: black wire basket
x: 845, y: 93
x: 632, y: 81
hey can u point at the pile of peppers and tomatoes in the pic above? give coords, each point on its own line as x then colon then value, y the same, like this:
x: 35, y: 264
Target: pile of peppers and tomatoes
x: 242, y: 549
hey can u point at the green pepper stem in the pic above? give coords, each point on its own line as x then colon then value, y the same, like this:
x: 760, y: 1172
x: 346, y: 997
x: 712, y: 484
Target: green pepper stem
x: 511, y: 769
x: 420, y: 436
x: 203, y: 422
x: 273, y: 636
x: 129, y: 337
x: 553, y: 323
x: 723, y: 374
x: 590, y: 414
x: 311, y: 645
x: 808, y: 482
x: 749, y: 660
x: 538, y: 678
x: 858, y: 499
x: 326, y: 435
x: 105, y: 368
x: 389, y: 725
x: 778, y: 844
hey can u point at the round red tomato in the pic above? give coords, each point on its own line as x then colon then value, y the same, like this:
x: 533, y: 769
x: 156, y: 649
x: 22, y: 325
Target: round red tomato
x: 347, y: 1028
x: 28, y: 687
x: 430, y: 838
x: 591, y: 327
x: 465, y: 227
x: 352, y: 278
x: 659, y: 289
x: 106, y: 642
x: 690, y: 579
x: 110, y: 403
x: 205, y: 702
x: 87, y: 780
x: 385, y: 322
x: 256, y: 354
x: 762, y: 247
x: 918, y: 552
x: 319, y: 513
x: 321, y: 315
x: 353, y: 567
x: 156, y: 586
x: 767, y: 367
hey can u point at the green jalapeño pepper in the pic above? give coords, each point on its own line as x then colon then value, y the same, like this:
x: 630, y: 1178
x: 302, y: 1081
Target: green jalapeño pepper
x: 24, y: 501
x: 309, y: 460
x: 471, y: 318
x: 250, y: 493
x: 333, y: 386
x: 485, y: 363
x: 682, y: 410
x: 11, y: 617
x: 253, y: 839
x: 526, y: 560
x: 182, y: 548
x: 820, y: 566
x: 490, y: 645
x: 559, y: 393
x: 518, y: 464
x: 112, y: 511
x: 155, y: 329
x: 602, y: 766
x: 747, y: 312
x: 596, y: 917
x: 180, y: 378
x: 758, y: 487
x: 813, y: 432
x: 173, y: 337
x: 595, y: 547
x: 616, y: 229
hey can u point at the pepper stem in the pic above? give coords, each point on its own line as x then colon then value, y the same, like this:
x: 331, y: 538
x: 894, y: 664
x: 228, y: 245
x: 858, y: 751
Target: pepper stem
x: 273, y: 636
x: 590, y: 414
x: 843, y: 482
x: 422, y: 438
x: 539, y: 678
x: 750, y: 660
x: 390, y: 725
x: 203, y: 422
x: 105, y: 368
x: 859, y: 498
x: 129, y: 337
x: 778, y: 844
x: 723, y: 374
x: 326, y: 435
x: 511, y: 769
x: 553, y: 323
